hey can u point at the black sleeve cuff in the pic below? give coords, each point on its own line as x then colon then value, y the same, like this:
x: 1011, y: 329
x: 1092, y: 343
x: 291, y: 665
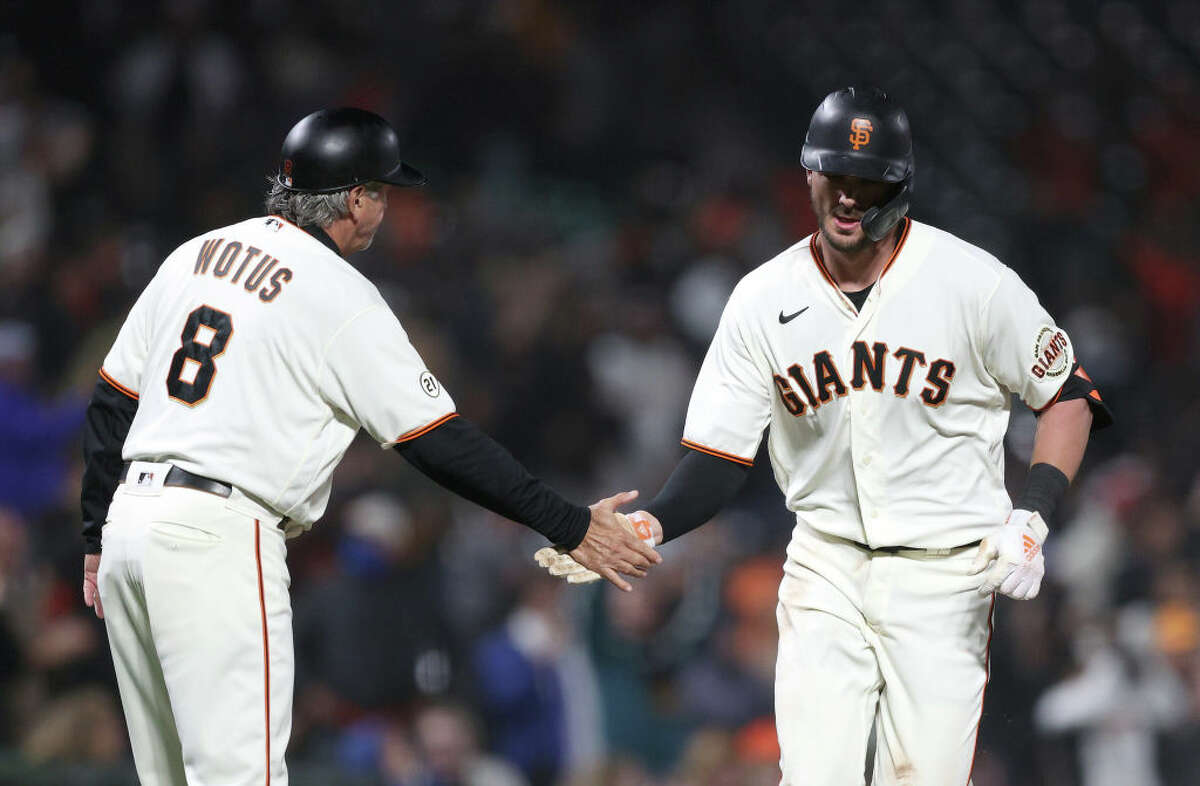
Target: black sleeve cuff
x: 459, y: 456
x: 699, y: 487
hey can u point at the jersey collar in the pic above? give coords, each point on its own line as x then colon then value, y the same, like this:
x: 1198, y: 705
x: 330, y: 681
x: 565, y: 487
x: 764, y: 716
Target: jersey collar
x: 323, y: 237
x: 815, y: 249
x: 320, y: 235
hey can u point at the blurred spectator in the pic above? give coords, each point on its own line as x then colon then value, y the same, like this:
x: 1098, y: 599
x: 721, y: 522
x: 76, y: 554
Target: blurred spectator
x: 537, y: 688
x: 449, y: 743
x: 35, y: 435
x: 374, y: 632
x: 1123, y: 695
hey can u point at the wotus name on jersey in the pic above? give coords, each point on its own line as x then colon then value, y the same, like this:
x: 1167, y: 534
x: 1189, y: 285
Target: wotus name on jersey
x: 869, y: 366
x: 233, y: 254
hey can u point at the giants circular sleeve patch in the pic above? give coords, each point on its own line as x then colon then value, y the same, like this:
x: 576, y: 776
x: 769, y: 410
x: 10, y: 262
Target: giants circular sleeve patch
x: 1052, y: 353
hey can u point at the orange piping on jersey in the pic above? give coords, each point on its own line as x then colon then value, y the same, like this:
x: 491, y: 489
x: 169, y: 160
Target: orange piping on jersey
x: 408, y: 435
x: 262, y: 607
x: 1054, y: 400
x: 987, y: 678
x: 815, y: 250
x: 1095, y: 394
x: 104, y: 375
x: 899, y: 245
x: 718, y: 453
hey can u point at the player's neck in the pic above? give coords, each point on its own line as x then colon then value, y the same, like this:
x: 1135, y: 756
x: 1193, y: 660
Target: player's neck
x: 342, y: 233
x: 856, y: 270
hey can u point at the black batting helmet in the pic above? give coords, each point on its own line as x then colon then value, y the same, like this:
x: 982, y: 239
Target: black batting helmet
x: 334, y: 149
x: 862, y: 132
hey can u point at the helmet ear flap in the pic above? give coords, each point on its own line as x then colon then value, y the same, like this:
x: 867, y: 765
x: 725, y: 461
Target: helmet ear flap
x: 878, y: 221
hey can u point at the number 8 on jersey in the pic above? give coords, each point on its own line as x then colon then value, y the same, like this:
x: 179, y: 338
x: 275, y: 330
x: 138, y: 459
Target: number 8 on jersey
x: 199, y: 353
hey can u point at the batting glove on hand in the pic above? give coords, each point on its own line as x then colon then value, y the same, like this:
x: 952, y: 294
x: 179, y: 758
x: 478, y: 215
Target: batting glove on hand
x: 559, y: 563
x: 1012, y: 557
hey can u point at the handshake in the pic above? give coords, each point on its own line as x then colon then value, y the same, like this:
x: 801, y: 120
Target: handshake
x: 614, y: 544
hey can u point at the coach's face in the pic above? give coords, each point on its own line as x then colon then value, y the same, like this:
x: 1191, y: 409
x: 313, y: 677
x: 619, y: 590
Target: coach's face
x: 840, y: 202
x: 367, y: 206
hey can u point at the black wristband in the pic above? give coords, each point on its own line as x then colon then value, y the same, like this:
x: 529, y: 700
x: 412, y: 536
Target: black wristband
x: 1044, y: 489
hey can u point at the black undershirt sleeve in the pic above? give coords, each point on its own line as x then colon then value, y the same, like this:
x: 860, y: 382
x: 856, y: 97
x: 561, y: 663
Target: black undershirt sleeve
x: 106, y: 423
x: 698, y: 488
x: 459, y: 456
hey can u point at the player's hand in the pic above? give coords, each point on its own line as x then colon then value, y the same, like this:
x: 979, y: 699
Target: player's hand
x: 1012, y: 557
x: 91, y: 590
x: 609, y: 548
x: 561, y: 564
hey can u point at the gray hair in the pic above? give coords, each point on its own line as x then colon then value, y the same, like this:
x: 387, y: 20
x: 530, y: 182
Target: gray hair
x: 304, y: 209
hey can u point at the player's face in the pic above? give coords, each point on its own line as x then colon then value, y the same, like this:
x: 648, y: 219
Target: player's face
x: 368, y: 208
x: 840, y: 202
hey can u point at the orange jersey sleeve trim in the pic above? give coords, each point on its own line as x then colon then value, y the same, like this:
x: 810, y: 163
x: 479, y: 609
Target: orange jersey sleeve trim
x: 105, y: 376
x: 1052, y: 401
x: 406, y: 436
x: 718, y: 453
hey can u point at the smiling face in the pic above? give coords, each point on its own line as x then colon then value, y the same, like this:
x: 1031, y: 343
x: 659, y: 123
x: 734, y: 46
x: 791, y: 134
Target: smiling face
x: 839, y: 202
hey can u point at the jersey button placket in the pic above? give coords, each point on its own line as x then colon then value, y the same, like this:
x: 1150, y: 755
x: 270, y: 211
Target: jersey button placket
x: 864, y: 432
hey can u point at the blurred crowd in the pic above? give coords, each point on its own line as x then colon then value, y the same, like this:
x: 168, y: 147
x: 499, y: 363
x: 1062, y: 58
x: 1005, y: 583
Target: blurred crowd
x: 601, y: 174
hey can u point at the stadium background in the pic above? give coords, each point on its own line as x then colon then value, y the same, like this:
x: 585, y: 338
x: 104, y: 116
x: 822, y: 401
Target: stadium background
x: 601, y: 173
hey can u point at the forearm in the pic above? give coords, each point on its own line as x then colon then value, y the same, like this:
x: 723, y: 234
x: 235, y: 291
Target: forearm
x: 106, y: 424
x: 1062, y: 436
x: 459, y: 456
x: 698, y: 488
x: 1058, y: 446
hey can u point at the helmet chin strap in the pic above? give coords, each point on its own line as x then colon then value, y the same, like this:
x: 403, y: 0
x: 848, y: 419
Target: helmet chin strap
x: 878, y: 221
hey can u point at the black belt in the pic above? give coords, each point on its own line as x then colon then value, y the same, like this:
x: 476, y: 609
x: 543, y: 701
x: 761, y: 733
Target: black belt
x: 184, y: 479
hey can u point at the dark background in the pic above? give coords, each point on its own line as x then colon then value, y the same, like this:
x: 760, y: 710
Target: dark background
x: 601, y: 174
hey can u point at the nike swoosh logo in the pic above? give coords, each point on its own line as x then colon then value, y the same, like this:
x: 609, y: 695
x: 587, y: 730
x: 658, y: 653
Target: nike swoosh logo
x: 784, y: 320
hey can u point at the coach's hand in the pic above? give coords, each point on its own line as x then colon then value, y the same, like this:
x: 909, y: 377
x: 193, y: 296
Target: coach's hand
x: 91, y: 590
x: 560, y: 564
x: 610, y: 547
x: 1012, y: 557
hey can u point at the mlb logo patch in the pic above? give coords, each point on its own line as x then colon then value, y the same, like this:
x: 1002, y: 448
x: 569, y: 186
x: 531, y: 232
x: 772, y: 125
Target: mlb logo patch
x: 145, y: 479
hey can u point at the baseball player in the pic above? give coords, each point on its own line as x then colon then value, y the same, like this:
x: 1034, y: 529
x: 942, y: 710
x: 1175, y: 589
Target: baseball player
x: 232, y: 391
x: 883, y: 354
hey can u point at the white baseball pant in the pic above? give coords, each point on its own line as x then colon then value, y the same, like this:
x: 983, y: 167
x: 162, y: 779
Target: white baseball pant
x: 895, y: 641
x: 195, y: 594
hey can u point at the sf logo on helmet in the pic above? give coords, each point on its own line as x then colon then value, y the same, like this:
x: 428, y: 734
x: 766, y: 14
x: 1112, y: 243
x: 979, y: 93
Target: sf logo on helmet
x: 860, y: 132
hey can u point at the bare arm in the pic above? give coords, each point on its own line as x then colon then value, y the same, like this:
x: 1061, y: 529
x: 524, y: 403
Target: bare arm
x: 1062, y: 435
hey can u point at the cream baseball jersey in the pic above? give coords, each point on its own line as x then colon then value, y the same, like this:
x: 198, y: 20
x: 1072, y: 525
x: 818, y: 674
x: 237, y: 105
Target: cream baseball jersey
x: 256, y: 353
x: 886, y: 425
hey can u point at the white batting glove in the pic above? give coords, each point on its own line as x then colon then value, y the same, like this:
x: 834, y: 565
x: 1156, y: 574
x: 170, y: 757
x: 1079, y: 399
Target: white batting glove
x: 1012, y: 557
x: 560, y: 564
